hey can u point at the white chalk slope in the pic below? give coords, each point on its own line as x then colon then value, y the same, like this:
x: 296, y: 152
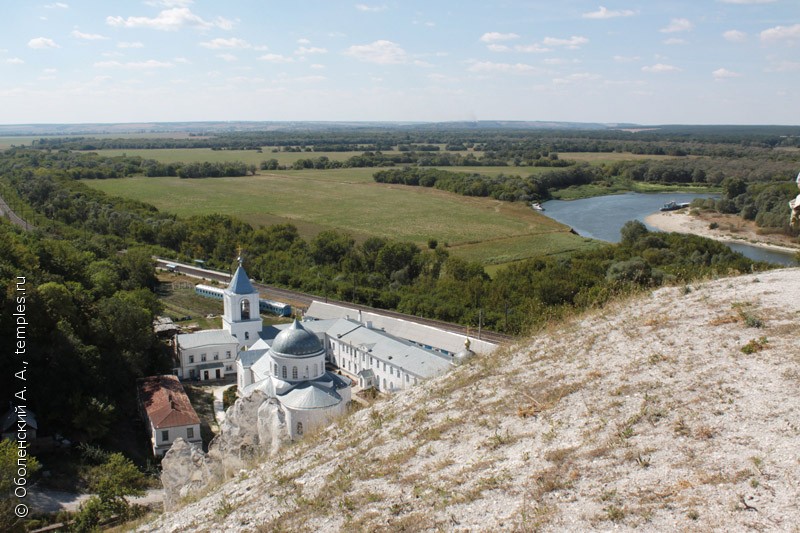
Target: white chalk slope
x: 646, y: 415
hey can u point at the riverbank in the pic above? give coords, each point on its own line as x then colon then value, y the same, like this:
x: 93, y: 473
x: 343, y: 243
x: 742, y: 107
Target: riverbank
x: 730, y: 228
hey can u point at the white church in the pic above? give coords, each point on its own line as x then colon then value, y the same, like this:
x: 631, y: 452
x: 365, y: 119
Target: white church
x: 287, y: 362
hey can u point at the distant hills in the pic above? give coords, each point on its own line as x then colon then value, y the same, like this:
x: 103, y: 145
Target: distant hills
x: 220, y: 127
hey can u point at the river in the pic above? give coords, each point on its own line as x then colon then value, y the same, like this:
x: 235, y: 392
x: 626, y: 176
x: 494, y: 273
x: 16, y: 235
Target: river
x: 602, y: 217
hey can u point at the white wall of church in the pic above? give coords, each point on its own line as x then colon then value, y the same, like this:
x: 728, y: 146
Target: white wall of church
x: 300, y: 421
x: 297, y: 369
x: 352, y: 359
x: 245, y: 328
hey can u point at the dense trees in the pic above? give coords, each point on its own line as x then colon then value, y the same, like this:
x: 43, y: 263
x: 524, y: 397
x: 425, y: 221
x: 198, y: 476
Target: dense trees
x: 90, y: 335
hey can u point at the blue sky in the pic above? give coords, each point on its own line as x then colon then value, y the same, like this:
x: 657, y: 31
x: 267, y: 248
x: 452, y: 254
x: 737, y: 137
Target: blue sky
x: 647, y: 62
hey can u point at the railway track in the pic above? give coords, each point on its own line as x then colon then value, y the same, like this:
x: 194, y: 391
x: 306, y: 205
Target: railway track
x: 303, y: 300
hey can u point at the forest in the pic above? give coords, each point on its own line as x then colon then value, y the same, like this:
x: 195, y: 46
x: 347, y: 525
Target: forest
x: 92, y: 300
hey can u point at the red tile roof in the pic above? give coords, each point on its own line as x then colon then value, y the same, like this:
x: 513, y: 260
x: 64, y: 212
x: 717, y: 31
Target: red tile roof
x: 165, y: 402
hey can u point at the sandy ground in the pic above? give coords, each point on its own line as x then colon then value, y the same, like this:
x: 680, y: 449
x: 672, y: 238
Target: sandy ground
x: 731, y: 228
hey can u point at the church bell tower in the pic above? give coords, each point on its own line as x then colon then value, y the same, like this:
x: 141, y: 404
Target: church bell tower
x: 241, y: 315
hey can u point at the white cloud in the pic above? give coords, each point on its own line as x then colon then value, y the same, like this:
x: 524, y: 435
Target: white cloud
x: 723, y: 73
x: 276, y: 58
x: 88, y: 36
x: 370, y: 9
x: 381, y: 52
x: 228, y: 57
x: 660, y: 67
x: 493, y: 37
x: 603, y: 13
x: 498, y: 48
x: 150, y: 63
x: 317, y: 66
x: 782, y: 66
x: 14, y: 61
x: 40, y: 43
x: 303, y: 41
x: 308, y: 79
x: 305, y: 50
x: 743, y: 2
x: 675, y: 41
x: 436, y: 77
x: 531, y: 48
x: 233, y: 42
x: 223, y: 23
x: 488, y: 66
x: 576, y: 78
x: 572, y: 42
x: 677, y: 25
x: 57, y: 5
x: 555, y: 61
x: 781, y: 33
x: 735, y: 36
x: 626, y: 59
x: 169, y: 20
x: 135, y: 44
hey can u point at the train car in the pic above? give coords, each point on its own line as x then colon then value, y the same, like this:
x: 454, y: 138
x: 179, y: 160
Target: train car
x: 264, y: 305
x: 208, y: 291
x: 276, y: 308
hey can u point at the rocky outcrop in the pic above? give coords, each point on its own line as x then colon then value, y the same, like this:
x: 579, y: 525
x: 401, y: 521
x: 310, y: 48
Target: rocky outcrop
x: 186, y: 470
x: 254, y: 427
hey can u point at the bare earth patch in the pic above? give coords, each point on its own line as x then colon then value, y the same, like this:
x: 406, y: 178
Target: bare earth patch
x: 650, y: 414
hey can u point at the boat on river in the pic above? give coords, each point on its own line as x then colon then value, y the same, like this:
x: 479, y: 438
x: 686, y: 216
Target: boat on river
x: 672, y: 206
x: 537, y: 206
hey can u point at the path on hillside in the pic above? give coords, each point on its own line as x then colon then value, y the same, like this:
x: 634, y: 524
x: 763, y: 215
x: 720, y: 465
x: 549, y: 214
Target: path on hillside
x: 7, y: 212
x: 53, y: 501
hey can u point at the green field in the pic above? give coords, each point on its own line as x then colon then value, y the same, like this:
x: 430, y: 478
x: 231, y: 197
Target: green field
x: 482, y: 229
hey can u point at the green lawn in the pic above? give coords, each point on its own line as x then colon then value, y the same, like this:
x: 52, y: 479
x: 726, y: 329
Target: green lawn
x: 349, y: 200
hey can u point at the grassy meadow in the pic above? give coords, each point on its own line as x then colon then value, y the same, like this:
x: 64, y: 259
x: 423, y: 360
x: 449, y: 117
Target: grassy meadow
x: 482, y: 229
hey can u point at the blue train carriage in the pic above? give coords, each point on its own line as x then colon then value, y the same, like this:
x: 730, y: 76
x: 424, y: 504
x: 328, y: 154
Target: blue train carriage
x: 276, y: 308
x: 208, y: 291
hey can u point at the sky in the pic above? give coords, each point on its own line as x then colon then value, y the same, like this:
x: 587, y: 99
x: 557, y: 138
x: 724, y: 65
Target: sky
x: 608, y: 61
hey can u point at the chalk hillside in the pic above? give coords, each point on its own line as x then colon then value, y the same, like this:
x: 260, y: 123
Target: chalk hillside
x: 675, y: 410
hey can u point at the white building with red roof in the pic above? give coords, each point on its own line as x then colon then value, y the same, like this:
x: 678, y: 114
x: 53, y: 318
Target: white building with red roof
x: 167, y: 412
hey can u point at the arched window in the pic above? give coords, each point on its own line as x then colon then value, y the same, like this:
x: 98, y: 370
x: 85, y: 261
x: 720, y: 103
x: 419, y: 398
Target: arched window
x: 245, y: 309
x: 306, y: 374
x: 283, y: 372
x: 315, y: 369
x: 299, y: 428
x: 276, y: 369
x: 384, y: 384
x: 294, y: 372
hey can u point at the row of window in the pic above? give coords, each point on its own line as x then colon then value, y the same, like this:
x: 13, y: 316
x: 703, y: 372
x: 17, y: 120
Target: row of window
x: 165, y: 434
x: 353, y: 366
x: 284, y: 371
x: 203, y: 356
